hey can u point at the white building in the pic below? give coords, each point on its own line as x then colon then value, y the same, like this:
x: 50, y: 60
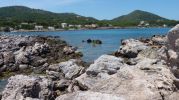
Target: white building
x: 39, y: 27
x: 51, y: 28
x: 64, y: 25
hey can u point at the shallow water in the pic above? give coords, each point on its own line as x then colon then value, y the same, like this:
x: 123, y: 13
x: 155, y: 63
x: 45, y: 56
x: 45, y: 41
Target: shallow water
x: 2, y: 84
x: 111, y: 39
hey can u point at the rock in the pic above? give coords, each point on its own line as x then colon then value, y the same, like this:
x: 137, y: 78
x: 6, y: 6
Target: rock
x: 69, y: 68
x: 89, y: 95
x: 39, y: 48
x: 41, y: 69
x: 102, y: 69
x: 148, y: 79
x: 0, y: 95
x: 23, y: 67
x: 20, y: 87
x: 173, y: 49
x: 130, y: 48
x: 69, y: 50
x: 106, y: 64
x: 159, y: 40
x: 8, y: 57
x: 22, y: 57
x: 63, y: 84
x: 89, y: 41
x: 54, y: 75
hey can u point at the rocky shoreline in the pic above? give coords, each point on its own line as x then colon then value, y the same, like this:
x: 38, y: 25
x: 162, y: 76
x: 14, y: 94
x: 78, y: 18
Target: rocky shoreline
x: 144, y: 69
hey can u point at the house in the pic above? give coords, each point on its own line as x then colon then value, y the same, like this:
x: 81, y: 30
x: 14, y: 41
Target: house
x: 91, y: 26
x: 71, y: 26
x: 64, y: 25
x: 38, y: 27
x: 51, y: 28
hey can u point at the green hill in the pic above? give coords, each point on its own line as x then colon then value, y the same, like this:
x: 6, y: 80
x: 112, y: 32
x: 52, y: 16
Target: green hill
x: 19, y: 14
x: 139, y: 15
x: 15, y: 15
x: 133, y: 19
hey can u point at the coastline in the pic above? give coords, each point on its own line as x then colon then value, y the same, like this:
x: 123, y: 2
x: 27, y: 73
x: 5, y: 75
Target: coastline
x: 100, y: 28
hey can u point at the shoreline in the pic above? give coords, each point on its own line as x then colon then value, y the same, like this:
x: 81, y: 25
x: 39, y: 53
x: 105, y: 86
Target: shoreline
x: 101, y: 28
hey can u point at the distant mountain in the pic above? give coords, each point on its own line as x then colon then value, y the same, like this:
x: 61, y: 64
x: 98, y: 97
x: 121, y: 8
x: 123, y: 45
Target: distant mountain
x: 133, y: 19
x: 24, y: 14
x: 139, y: 15
x: 15, y: 15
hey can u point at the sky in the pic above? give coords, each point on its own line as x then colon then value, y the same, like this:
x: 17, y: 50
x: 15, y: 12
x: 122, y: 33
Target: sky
x: 102, y: 9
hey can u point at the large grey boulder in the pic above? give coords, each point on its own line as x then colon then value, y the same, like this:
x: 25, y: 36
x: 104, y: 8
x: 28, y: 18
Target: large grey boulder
x: 131, y: 47
x: 20, y: 87
x: 106, y: 64
x: 173, y: 49
x: 89, y: 95
x: 102, y: 69
x: 148, y: 79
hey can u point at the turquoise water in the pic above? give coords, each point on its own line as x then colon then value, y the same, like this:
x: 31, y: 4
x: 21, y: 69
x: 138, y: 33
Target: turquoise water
x: 111, y: 39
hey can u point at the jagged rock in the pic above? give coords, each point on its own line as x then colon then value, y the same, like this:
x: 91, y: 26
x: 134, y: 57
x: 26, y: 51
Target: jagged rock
x: 173, y: 49
x: 102, y: 69
x: 54, y: 75
x: 159, y: 40
x: 148, y: 79
x: 130, y: 48
x: 69, y: 68
x: 105, y: 63
x: 20, y: 87
x: 40, y: 48
x: 8, y: 57
x: 69, y: 50
x: 22, y: 57
x: 89, y: 95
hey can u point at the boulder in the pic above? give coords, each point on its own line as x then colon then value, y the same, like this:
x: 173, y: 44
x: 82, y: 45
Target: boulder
x: 102, y: 69
x: 159, y: 40
x: 21, y: 87
x: 131, y: 47
x: 148, y: 79
x: 22, y: 57
x: 39, y: 48
x: 69, y: 68
x: 89, y: 95
x: 8, y: 57
x: 106, y: 64
x: 69, y: 50
x: 173, y: 49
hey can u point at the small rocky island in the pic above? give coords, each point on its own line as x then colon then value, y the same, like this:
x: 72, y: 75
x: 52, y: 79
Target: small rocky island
x: 140, y: 70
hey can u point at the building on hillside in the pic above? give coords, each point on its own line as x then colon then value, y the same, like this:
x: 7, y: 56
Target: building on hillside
x: 143, y: 24
x: 91, y: 26
x: 39, y: 27
x: 64, y: 25
x: 164, y: 25
x: 51, y: 28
